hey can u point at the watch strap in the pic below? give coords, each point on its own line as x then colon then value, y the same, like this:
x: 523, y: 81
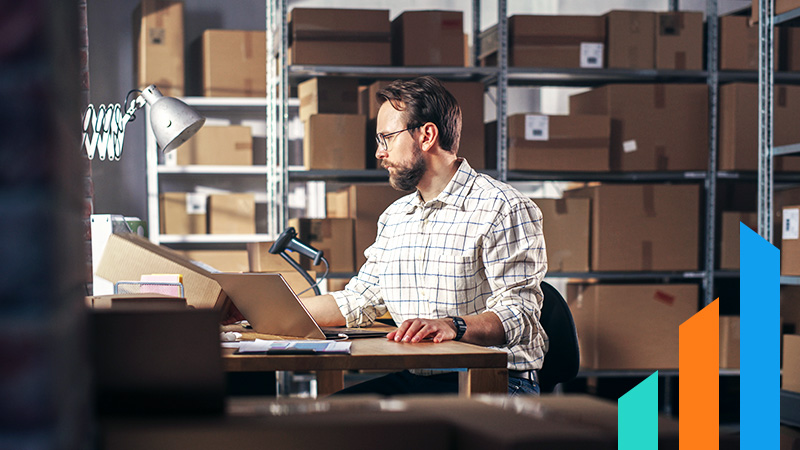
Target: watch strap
x: 461, y: 327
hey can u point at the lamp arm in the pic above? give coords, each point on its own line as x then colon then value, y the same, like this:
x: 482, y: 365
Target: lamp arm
x: 104, y: 129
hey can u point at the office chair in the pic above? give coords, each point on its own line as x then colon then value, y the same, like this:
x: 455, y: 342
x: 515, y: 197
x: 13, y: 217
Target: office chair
x: 563, y: 357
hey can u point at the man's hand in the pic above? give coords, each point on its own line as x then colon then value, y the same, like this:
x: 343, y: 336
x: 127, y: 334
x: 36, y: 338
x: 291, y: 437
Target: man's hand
x: 415, y: 330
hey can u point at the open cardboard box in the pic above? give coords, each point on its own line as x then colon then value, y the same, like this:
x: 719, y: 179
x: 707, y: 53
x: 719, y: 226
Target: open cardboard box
x: 128, y: 256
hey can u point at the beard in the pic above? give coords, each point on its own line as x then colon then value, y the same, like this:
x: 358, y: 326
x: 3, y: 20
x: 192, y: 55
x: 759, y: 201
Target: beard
x: 406, y: 178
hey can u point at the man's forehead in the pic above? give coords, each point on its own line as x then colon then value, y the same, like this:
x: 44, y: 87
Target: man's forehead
x: 388, y: 117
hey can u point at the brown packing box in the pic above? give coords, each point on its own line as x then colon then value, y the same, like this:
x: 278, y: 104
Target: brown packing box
x: 234, y: 63
x: 342, y: 37
x: 738, y: 134
x: 428, y: 38
x: 738, y: 43
x: 729, y: 342
x: 261, y: 260
x: 790, y: 241
x: 566, y: 230
x: 222, y: 260
x: 643, y: 227
x: 630, y: 326
x: 231, y: 214
x: 333, y: 236
x: 791, y: 363
x: 548, y: 41
x: 337, y: 284
x: 654, y: 127
x: 679, y: 40
x: 630, y: 39
x: 158, y: 41
x: 364, y: 203
x: 780, y: 7
x: 222, y: 146
x: 334, y: 141
x: 182, y: 213
x: 729, y: 237
x: 328, y: 95
x: 558, y: 143
x: 470, y: 97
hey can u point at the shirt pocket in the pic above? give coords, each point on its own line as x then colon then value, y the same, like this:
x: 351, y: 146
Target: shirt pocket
x: 453, y: 276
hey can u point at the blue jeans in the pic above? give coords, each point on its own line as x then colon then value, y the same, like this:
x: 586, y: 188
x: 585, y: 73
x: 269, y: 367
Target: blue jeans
x: 522, y: 386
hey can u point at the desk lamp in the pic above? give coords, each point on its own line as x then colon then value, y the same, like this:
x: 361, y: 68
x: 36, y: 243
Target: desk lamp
x: 288, y: 241
x: 173, y: 123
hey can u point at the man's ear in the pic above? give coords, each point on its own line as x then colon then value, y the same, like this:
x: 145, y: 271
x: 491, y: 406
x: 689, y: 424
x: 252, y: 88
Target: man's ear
x: 428, y: 136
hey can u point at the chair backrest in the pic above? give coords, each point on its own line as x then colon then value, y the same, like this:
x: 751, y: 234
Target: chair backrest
x: 562, y: 360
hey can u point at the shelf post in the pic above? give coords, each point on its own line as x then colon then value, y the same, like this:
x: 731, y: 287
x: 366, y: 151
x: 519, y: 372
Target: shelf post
x: 712, y: 58
x: 766, y: 55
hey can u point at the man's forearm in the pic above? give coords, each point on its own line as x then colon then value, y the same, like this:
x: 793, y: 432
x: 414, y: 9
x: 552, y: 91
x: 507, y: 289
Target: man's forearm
x: 324, y: 310
x: 484, y: 329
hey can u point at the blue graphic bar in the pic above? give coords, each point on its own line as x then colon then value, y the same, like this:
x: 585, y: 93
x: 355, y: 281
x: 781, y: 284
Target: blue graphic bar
x: 759, y: 301
x: 637, y: 416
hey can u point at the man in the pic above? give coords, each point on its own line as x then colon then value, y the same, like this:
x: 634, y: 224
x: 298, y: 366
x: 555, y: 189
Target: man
x: 460, y: 258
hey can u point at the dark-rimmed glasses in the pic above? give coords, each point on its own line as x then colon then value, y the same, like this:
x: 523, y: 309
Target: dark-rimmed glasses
x: 381, y: 138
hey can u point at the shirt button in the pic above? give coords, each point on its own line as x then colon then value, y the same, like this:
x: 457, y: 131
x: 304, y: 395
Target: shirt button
x: 423, y: 294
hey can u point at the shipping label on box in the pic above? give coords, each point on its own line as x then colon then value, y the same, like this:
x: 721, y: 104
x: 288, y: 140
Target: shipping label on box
x: 158, y: 37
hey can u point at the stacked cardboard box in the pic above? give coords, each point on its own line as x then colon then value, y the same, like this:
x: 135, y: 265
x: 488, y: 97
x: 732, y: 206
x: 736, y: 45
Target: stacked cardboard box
x: 566, y: 231
x: 428, y: 38
x: 630, y: 39
x: 333, y: 236
x: 182, y: 213
x: 780, y: 7
x: 679, y: 40
x: 549, y: 41
x: 790, y: 241
x: 654, y: 126
x: 652, y: 218
x: 729, y: 342
x: 233, y: 63
x: 158, y: 40
x: 346, y: 37
x: 738, y: 43
x: 559, y: 143
x: 738, y: 142
x: 729, y: 237
x: 261, y: 260
x: 231, y: 213
x: 791, y: 363
x: 630, y: 326
x: 222, y: 260
x: 216, y: 145
x: 364, y: 203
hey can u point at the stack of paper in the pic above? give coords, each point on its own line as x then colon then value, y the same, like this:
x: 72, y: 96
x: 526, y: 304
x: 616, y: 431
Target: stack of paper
x: 294, y: 347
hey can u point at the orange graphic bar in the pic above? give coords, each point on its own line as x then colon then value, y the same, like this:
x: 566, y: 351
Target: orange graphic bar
x: 698, y: 381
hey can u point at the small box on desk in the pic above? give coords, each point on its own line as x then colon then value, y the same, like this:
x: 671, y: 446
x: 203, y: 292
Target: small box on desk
x: 334, y: 141
x: 233, y: 63
x: 341, y: 37
x: 428, y: 38
x: 220, y: 146
x: 182, y: 213
x: 333, y: 236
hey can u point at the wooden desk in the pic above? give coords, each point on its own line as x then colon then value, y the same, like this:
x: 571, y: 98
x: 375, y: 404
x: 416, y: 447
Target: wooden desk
x: 486, y: 368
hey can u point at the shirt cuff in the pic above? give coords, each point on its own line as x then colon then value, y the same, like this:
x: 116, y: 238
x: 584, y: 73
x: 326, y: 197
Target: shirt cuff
x: 346, y: 300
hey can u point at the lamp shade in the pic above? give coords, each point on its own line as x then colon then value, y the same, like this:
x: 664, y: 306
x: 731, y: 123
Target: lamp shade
x: 172, y: 120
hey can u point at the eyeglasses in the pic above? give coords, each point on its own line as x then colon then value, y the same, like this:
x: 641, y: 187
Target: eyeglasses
x: 380, y: 138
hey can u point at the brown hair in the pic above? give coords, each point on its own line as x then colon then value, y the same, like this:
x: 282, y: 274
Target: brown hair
x: 423, y: 100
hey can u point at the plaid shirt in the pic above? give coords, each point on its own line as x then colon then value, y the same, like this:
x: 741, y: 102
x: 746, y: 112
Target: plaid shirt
x: 476, y: 247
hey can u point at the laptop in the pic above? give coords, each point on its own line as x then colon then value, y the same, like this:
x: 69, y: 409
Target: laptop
x: 272, y: 307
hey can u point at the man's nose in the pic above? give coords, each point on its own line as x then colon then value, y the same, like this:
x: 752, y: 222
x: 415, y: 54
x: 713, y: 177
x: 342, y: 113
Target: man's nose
x: 381, y: 152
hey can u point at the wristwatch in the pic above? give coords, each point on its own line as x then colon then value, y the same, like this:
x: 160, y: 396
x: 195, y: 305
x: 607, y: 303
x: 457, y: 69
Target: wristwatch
x: 461, y: 327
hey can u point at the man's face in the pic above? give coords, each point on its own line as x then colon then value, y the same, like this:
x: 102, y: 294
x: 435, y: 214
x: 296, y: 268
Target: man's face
x: 402, y: 156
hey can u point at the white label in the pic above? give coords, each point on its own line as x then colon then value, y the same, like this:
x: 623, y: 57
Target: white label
x: 592, y: 55
x: 629, y: 146
x: 791, y: 223
x: 537, y: 128
x: 171, y: 159
x: 195, y: 203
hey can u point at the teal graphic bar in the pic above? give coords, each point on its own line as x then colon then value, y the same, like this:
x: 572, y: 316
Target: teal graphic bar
x: 759, y: 357
x: 637, y: 416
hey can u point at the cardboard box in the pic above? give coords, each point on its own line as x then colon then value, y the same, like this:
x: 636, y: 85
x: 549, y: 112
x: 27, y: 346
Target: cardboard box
x: 787, y: 49
x: 334, y: 141
x: 337, y: 284
x: 428, y: 38
x: 216, y: 146
x: 159, y: 47
x: 328, y: 95
x: 222, y: 260
x: 630, y: 326
x: 261, y: 260
x: 470, y: 97
x: 790, y: 241
x: 729, y: 342
x: 780, y: 7
x: 234, y: 63
x: 333, y: 236
x: 364, y: 203
x: 654, y: 127
x: 182, y: 213
x: 660, y: 224
x: 549, y: 41
x: 791, y: 363
x: 342, y: 37
x: 558, y: 143
x: 231, y: 214
x: 729, y: 237
x: 566, y: 230
x: 679, y: 40
x: 738, y: 43
x: 630, y: 39
x: 738, y: 126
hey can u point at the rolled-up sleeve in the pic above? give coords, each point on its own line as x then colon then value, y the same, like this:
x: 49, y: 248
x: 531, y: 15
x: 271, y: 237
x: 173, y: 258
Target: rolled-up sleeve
x: 516, y: 261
